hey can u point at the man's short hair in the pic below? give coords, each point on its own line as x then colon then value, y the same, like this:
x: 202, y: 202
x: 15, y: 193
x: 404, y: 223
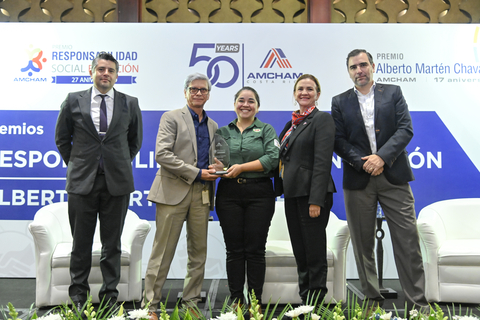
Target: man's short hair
x: 356, y: 52
x: 104, y: 56
x: 196, y: 76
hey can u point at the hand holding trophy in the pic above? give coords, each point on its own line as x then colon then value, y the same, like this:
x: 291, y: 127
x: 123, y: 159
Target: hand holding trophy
x: 222, y: 153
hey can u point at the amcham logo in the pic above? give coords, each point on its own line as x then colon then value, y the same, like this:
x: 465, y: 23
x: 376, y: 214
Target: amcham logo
x: 276, y: 56
x: 34, y: 61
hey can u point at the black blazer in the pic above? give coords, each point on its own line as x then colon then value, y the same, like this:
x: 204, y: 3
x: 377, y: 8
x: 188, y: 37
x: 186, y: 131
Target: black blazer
x: 80, y: 146
x: 308, y: 159
x: 393, y: 131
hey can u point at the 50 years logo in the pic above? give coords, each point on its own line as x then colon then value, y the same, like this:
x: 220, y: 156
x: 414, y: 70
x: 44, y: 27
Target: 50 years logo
x: 222, y: 70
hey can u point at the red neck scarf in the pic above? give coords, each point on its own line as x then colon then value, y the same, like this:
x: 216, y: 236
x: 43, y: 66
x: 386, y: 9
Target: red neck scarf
x: 296, y: 119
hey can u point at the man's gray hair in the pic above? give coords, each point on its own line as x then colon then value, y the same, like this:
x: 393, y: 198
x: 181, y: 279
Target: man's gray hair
x: 196, y: 76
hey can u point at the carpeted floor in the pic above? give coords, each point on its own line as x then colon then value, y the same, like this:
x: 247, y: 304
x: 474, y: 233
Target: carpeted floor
x: 21, y: 293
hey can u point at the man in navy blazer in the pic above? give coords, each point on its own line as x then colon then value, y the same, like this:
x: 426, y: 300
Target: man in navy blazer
x: 98, y: 133
x: 373, y: 127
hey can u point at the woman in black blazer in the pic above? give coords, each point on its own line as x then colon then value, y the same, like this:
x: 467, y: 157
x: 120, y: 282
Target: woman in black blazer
x: 305, y: 163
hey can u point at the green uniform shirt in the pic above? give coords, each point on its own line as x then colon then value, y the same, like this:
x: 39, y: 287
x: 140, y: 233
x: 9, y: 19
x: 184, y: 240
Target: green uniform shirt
x: 257, y: 142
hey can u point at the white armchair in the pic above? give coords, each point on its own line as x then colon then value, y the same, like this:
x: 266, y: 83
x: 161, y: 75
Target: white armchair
x: 450, y: 242
x: 281, y: 279
x: 53, y: 243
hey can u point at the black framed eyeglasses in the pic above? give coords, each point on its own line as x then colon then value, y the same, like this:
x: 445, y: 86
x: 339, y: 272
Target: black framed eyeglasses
x: 194, y: 90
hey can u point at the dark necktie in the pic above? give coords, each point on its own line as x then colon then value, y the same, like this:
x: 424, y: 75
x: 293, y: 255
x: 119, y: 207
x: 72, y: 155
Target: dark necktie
x: 103, y: 115
x: 103, y: 126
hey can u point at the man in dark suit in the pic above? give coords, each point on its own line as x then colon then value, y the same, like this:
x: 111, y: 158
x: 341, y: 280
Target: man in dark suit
x: 98, y: 133
x: 373, y: 127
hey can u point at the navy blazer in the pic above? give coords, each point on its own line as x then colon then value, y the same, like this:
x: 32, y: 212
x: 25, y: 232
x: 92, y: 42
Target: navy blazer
x: 79, y: 144
x: 308, y: 159
x: 393, y: 131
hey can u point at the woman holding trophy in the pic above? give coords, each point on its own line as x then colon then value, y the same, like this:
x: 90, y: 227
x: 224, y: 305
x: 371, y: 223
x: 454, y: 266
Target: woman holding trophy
x: 245, y: 200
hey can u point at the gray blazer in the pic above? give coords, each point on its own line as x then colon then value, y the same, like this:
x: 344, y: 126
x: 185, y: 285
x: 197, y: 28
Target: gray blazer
x: 81, y: 147
x: 176, y: 152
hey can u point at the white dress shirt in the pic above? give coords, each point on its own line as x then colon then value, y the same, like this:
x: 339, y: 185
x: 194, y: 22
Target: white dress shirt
x: 367, y: 107
x: 95, y: 102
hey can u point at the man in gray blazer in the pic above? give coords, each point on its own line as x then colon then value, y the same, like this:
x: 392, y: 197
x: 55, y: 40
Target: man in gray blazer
x: 183, y: 190
x: 98, y: 133
x: 373, y: 127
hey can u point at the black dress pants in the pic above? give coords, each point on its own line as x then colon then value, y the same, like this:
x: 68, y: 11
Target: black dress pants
x: 245, y: 211
x: 83, y: 211
x: 309, y: 243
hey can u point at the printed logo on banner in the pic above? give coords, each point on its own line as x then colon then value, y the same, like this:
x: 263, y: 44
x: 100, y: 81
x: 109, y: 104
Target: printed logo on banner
x: 276, y: 56
x: 221, y: 68
x: 34, y: 61
x: 68, y: 66
x: 274, y: 60
x: 73, y: 66
x: 34, y: 65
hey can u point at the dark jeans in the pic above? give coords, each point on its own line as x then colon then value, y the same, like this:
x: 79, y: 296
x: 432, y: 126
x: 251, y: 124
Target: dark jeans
x: 245, y: 212
x: 309, y: 242
x: 83, y: 211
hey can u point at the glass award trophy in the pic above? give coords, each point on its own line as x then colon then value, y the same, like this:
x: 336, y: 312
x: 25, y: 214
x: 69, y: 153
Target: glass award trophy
x: 222, y: 152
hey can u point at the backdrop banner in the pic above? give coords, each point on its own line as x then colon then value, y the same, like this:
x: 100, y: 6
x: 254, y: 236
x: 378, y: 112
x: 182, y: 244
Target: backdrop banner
x: 436, y: 65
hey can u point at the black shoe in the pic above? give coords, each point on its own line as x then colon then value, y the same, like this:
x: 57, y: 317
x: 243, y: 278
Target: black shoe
x: 111, y: 305
x: 78, y: 306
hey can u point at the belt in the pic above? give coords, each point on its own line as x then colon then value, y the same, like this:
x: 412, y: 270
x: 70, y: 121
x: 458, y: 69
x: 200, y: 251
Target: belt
x: 246, y: 180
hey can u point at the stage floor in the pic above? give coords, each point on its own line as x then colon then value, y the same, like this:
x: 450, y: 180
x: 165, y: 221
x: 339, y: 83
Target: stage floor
x: 21, y: 293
